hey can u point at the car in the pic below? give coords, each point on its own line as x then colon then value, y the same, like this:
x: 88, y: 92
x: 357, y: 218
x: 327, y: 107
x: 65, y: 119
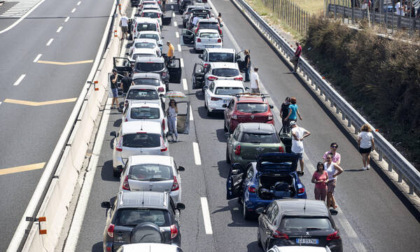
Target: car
x: 152, y: 173
x: 183, y: 5
x: 139, y: 110
x: 144, y: 3
x: 142, y: 52
x: 275, y: 248
x: 144, y: 93
x: 220, y: 92
x: 153, y: 65
x: 227, y: 55
x: 202, y: 9
x: 247, y: 108
x: 140, y: 24
x: 145, y: 216
x: 137, y: 138
x: 249, y: 140
x: 150, y: 79
x: 200, y: 14
x: 221, y: 71
x: 205, y: 38
x: 152, y: 35
x: 145, y: 43
x: 272, y: 176
x: 150, y: 247
x: 208, y: 23
x: 298, y: 222
x: 155, y: 14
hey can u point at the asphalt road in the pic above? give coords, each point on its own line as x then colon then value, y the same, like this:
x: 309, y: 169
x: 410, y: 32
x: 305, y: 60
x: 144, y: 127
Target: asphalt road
x: 29, y: 133
x: 371, y: 216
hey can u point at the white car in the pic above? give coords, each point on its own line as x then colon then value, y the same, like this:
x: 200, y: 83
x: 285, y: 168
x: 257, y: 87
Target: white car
x: 137, y: 138
x: 222, y: 71
x: 150, y: 79
x: 147, y: 2
x: 144, y: 24
x: 298, y: 249
x: 142, y: 52
x: 143, y: 93
x: 149, y: 247
x: 138, y: 110
x: 207, y: 38
x: 152, y: 173
x: 152, y: 35
x: 155, y: 14
x: 220, y: 92
x: 145, y: 43
x: 211, y: 55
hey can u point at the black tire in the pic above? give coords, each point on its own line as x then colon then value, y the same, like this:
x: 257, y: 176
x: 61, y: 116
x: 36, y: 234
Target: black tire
x: 227, y: 156
x: 209, y: 113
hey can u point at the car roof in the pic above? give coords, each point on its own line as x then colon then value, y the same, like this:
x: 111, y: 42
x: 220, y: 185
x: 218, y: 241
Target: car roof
x: 152, y: 10
x: 149, y: 247
x: 298, y: 249
x: 208, y: 20
x: 247, y: 98
x: 302, y: 207
x: 150, y: 59
x: 151, y: 159
x: 228, y: 83
x: 141, y: 103
x: 258, y: 128
x: 149, y: 32
x: 131, y: 127
x: 145, y: 20
x: 224, y: 64
x: 144, y: 50
x: 143, y: 199
x: 147, y: 87
x: 146, y: 76
x: 221, y: 50
x: 138, y: 40
x: 208, y: 31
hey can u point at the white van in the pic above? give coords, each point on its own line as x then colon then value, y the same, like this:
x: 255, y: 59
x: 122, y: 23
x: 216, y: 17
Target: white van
x: 144, y: 24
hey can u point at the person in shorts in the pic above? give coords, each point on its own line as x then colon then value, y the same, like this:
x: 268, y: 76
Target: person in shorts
x: 255, y: 81
x: 114, y: 87
x: 124, y: 26
x: 320, y: 178
x: 366, y: 144
x: 333, y: 170
x: 126, y: 82
x: 298, y: 134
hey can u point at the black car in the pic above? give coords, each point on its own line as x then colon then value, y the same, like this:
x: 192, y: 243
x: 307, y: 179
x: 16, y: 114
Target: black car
x: 297, y: 222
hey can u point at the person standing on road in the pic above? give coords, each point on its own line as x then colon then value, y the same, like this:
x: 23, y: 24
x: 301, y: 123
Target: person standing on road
x: 172, y: 113
x: 293, y: 110
x: 114, y: 88
x: 219, y: 18
x: 247, y: 65
x: 336, y: 157
x: 255, y: 81
x: 284, y: 112
x: 124, y: 26
x: 366, y: 144
x: 171, y: 50
x: 296, y: 59
x: 320, y: 178
x: 126, y: 82
x: 298, y: 134
x: 333, y: 171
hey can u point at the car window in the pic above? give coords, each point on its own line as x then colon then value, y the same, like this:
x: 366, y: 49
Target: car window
x: 226, y: 72
x: 299, y: 223
x: 144, y: 45
x: 151, y: 172
x: 274, y: 213
x: 252, y: 107
x: 211, y: 87
x: 150, y: 36
x: 150, y: 14
x: 146, y: 81
x: 146, y: 27
x: 149, y: 67
x: 236, y: 133
x: 206, y: 25
x: 145, y: 113
x: 135, y: 216
x: 141, y: 140
x: 228, y: 90
x: 208, y: 35
x: 221, y: 57
x: 142, y: 94
x: 259, y: 138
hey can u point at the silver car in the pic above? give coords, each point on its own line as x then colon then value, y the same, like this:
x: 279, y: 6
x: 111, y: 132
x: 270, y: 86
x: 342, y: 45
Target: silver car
x: 150, y: 247
x: 139, y: 110
x: 152, y: 173
x: 137, y: 138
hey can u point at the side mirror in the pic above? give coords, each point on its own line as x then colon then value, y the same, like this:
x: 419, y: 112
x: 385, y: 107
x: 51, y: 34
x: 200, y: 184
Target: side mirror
x: 271, y: 106
x: 161, y: 95
x: 260, y: 210
x: 200, y: 56
x: 205, y: 87
x: 113, y: 134
x: 106, y: 204
x: 127, y: 54
x: 237, y: 168
x: 181, y: 168
x: 224, y: 105
x: 180, y: 206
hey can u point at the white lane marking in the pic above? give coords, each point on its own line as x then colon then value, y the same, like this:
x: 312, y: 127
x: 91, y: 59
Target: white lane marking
x: 172, y: 1
x: 206, y: 215
x: 59, y: 29
x: 191, y: 114
x: 172, y: 7
x: 184, y: 84
x: 197, y: 157
x: 175, y: 24
x: 0, y: 102
x: 50, y: 41
x: 177, y: 34
x: 78, y: 3
x: 182, y: 63
x: 19, y: 80
x: 37, y: 58
x: 66, y: 20
x: 173, y: 14
x: 74, y: 9
x: 179, y: 48
x: 13, y: 25
x: 134, y: 12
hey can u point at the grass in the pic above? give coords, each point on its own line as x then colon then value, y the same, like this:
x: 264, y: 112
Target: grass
x: 315, y: 7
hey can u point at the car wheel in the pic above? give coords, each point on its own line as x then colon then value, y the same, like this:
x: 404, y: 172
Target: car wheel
x: 209, y: 113
x: 227, y: 156
x: 224, y: 127
x: 246, y: 214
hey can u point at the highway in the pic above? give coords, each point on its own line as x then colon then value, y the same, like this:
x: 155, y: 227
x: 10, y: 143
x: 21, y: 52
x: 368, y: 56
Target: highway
x: 45, y: 61
x: 371, y: 216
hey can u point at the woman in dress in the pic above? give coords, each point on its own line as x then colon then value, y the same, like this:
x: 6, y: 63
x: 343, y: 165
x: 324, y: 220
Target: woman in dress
x: 320, y: 178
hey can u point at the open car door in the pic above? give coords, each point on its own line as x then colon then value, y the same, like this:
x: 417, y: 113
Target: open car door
x: 122, y: 64
x: 286, y: 138
x: 240, y: 59
x: 187, y: 36
x: 198, y: 76
x: 234, y: 181
x: 175, y: 70
x: 183, y: 117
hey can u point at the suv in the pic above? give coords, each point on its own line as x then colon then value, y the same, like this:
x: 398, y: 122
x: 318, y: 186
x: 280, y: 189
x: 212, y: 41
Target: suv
x: 198, y: 10
x: 150, y: 79
x: 145, y: 110
x: 220, y: 92
x: 247, y: 108
x: 134, y: 217
x: 211, y: 55
x: 144, y: 24
x: 208, y: 23
x: 157, y: 65
x: 222, y: 71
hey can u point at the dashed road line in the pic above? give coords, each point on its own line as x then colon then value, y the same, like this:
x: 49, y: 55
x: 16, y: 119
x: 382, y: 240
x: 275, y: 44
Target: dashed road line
x: 37, y: 57
x: 59, y: 29
x: 50, y: 41
x: 18, y: 81
x: 74, y: 9
x: 66, y: 20
x: 191, y: 114
x: 175, y: 24
x: 64, y: 63
x: 179, y: 48
x: 197, y: 158
x: 23, y: 168
x: 177, y: 34
x: 206, y: 215
x: 182, y: 62
x: 173, y: 14
x: 172, y: 7
x: 184, y: 84
x: 37, y: 104
x: 78, y: 3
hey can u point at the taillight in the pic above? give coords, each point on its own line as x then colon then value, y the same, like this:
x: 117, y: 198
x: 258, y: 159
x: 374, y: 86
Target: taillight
x: 234, y: 117
x: 252, y: 189
x: 126, y: 185
x: 196, y: 30
x: 210, y: 78
x: 239, y: 78
x: 220, y: 31
x: 163, y: 124
x: 119, y: 145
x: 301, y: 190
x: 281, y: 149
x: 126, y: 119
x: 175, y: 185
x: 270, y: 118
x: 238, y: 150
x: 205, y: 65
x: 333, y: 236
x: 111, y: 230
x: 161, y: 89
x: 164, y: 147
x: 174, y: 231
x: 219, y: 41
x: 159, y: 2
x: 279, y: 235
x: 158, y: 15
x: 215, y: 99
x: 199, y: 40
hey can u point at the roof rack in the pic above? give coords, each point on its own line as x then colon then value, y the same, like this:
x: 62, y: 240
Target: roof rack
x: 263, y: 96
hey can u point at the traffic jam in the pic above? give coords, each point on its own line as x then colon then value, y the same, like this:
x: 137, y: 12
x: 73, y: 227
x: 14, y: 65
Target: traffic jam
x: 263, y: 174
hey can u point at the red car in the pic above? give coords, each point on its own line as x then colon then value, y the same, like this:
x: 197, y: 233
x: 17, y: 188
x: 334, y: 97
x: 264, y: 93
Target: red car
x: 247, y: 108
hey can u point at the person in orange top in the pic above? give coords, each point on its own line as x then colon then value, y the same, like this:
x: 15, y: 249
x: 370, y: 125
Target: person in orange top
x: 171, y: 49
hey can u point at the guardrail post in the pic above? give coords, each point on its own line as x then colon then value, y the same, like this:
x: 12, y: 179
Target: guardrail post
x: 349, y: 125
x: 337, y: 110
x: 381, y: 155
x: 390, y: 166
x: 335, y: 10
x: 352, y: 12
x: 411, y: 189
x: 399, y: 177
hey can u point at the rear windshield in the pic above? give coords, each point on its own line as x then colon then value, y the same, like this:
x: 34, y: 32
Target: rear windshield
x: 139, y: 55
x: 205, y: 25
x: 151, y: 172
x: 144, y: 45
x: 150, y: 14
x: 209, y: 35
x: 150, y: 36
x: 144, y: 113
x: 221, y: 57
x: 146, y: 27
x: 142, y: 94
x: 305, y: 224
x: 145, y: 81
x: 149, y: 67
x: 225, y: 72
x: 202, y: 13
x: 135, y: 216
x: 252, y: 107
x: 259, y: 138
x: 228, y: 90
x: 141, y: 140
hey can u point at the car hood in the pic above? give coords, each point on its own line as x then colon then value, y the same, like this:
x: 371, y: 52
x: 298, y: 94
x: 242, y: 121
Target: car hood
x: 277, y: 162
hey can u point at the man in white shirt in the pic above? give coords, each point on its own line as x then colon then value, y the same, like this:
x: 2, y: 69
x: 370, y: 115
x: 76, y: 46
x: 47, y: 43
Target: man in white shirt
x: 298, y: 134
x: 195, y: 20
x: 255, y: 81
x: 399, y: 9
x: 124, y: 26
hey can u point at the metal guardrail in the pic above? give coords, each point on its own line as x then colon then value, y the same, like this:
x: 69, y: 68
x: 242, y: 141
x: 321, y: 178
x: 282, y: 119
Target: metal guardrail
x: 405, y: 170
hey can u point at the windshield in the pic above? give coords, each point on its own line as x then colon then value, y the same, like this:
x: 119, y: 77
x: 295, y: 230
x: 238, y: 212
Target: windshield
x: 141, y: 140
x: 142, y: 94
x: 209, y: 35
x: 228, y: 90
x: 144, y: 45
x: 151, y: 172
x: 149, y: 67
x: 135, y: 216
x: 252, y: 107
x: 221, y: 57
x: 291, y: 223
x: 144, y: 81
x: 146, y: 27
x: 225, y: 72
x: 150, y: 36
x: 205, y: 25
x: 150, y: 14
x: 259, y: 138
x: 144, y: 113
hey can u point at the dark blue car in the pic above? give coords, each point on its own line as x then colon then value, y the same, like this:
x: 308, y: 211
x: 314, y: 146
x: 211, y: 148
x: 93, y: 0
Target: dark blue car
x: 273, y: 176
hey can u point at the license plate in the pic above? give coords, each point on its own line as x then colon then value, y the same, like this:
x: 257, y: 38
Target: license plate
x: 209, y: 46
x: 226, y: 101
x: 307, y: 241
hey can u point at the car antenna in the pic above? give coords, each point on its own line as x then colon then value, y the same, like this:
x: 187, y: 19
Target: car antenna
x: 304, y: 207
x: 142, y: 200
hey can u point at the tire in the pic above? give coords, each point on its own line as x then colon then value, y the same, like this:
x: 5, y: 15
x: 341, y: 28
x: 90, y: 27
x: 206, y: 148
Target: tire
x: 245, y: 213
x: 227, y: 156
x: 209, y: 113
x: 224, y: 127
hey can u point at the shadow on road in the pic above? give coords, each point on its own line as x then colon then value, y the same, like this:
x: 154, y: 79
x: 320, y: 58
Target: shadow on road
x: 223, y: 168
x: 236, y: 210
x: 106, y: 173
x: 97, y: 247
